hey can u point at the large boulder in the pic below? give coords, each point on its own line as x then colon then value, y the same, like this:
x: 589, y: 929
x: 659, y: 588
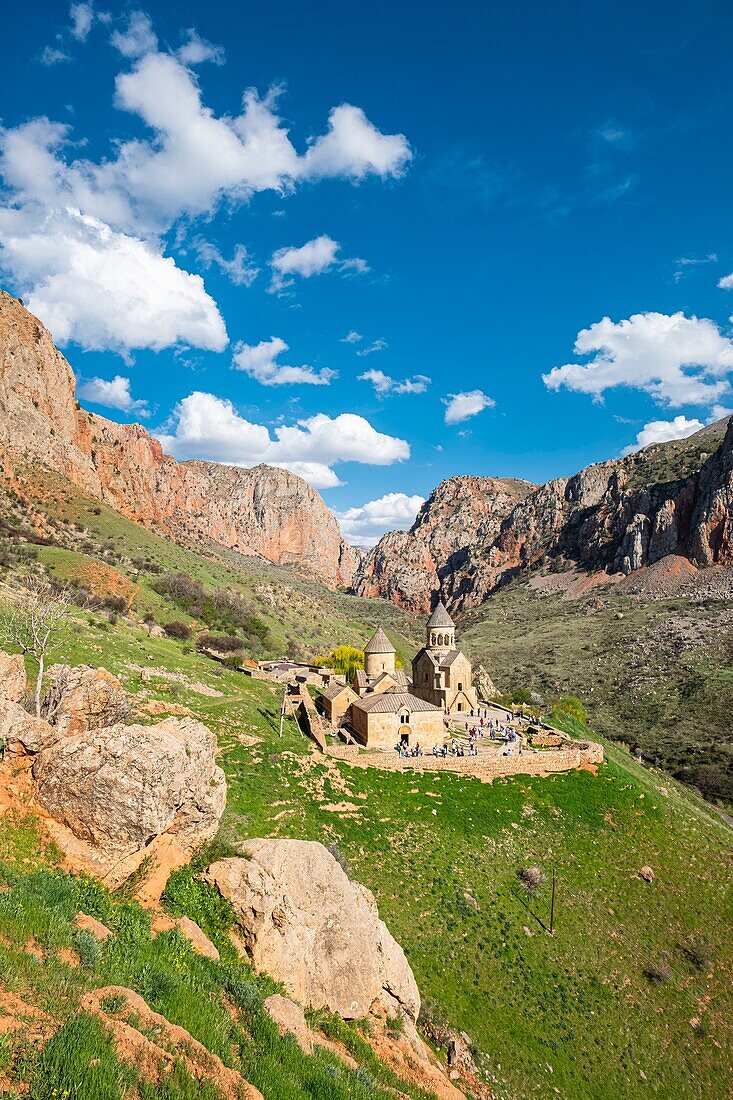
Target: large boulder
x: 310, y: 927
x: 21, y: 732
x: 120, y: 788
x: 84, y: 698
x: 13, y: 682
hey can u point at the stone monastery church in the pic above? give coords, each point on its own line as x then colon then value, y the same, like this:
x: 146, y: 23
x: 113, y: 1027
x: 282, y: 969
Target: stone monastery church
x: 382, y: 707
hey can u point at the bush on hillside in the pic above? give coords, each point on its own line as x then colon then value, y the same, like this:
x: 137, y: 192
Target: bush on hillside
x: 220, y: 643
x: 178, y: 630
x: 572, y: 706
x: 521, y: 696
x: 224, y: 609
x: 531, y: 880
x: 658, y: 973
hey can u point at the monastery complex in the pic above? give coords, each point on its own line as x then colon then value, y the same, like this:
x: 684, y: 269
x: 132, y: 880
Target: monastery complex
x: 382, y: 707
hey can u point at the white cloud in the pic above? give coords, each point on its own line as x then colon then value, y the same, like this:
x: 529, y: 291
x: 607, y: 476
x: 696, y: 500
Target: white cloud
x: 313, y: 258
x: 662, y: 431
x: 678, y: 360
x: 354, y: 147
x: 352, y: 337
x: 376, y: 345
x: 196, y: 50
x: 138, y: 38
x: 189, y: 163
x: 239, y: 270
x: 726, y: 283
x: 383, y: 384
x: 365, y: 525
x: 208, y: 427
x: 693, y: 261
x: 53, y: 55
x: 258, y: 361
x: 719, y: 412
x: 113, y: 395
x: 103, y: 289
x: 82, y: 17
x: 462, y: 406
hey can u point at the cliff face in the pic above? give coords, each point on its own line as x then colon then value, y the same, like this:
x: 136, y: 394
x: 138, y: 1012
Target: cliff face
x: 262, y: 511
x: 604, y: 517
x: 408, y: 566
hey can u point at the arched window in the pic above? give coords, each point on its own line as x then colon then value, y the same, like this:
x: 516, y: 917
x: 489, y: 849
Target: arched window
x: 405, y: 719
x: 440, y: 639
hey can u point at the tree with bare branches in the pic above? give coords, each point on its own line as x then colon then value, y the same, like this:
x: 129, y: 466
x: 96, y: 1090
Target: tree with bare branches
x: 31, y: 622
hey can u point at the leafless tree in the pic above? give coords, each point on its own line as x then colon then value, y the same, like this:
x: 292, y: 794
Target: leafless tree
x: 31, y: 622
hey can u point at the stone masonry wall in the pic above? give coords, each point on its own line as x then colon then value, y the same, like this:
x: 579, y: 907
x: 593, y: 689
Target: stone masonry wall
x: 482, y: 767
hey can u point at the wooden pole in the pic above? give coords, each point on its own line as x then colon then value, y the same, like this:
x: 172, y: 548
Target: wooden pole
x: 552, y: 905
x: 282, y: 710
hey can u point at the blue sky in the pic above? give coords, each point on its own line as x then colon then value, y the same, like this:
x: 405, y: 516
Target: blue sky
x: 438, y: 198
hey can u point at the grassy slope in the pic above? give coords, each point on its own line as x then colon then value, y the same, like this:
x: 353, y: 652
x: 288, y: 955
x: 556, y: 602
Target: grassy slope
x: 657, y: 673
x: 220, y: 1003
x: 302, y: 617
x: 579, y: 1001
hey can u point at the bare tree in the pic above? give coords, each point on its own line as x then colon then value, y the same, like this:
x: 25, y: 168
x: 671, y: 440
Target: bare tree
x: 31, y: 622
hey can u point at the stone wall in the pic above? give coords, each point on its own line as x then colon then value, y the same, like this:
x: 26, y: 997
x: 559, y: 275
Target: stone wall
x: 483, y: 767
x: 382, y: 731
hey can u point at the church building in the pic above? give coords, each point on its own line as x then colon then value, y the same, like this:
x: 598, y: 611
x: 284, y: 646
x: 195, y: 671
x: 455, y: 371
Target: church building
x: 442, y: 674
x: 383, y: 708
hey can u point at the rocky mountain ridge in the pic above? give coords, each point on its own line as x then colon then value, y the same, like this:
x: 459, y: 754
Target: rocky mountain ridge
x: 260, y: 511
x: 609, y: 517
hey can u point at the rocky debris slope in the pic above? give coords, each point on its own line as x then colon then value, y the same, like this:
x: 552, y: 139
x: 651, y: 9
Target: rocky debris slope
x: 309, y: 926
x: 602, y: 519
x: 260, y: 511
x: 121, y: 787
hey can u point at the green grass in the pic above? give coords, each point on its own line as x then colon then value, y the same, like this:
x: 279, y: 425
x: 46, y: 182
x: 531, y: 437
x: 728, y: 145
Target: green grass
x: 220, y: 1003
x: 580, y: 1001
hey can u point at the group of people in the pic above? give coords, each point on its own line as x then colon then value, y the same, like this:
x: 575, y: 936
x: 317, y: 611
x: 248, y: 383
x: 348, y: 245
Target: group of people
x: 407, y: 750
x: 456, y: 748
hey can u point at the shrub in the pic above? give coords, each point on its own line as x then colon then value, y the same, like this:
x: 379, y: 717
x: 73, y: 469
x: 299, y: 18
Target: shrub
x: 531, y: 880
x: 87, y: 948
x: 572, y: 706
x: 699, y: 952
x: 521, y: 696
x: 658, y: 973
x: 220, y: 643
x: 178, y: 630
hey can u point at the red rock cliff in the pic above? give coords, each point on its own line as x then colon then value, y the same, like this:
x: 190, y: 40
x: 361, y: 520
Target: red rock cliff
x: 262, y: 511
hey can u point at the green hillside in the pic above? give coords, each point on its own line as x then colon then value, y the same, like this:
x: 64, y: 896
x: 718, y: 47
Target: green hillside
x: 629, y: 997
x: 654, y: 674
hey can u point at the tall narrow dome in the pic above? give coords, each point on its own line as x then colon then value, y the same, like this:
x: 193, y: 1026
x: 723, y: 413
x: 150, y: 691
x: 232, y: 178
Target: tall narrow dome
x: 440, y: 633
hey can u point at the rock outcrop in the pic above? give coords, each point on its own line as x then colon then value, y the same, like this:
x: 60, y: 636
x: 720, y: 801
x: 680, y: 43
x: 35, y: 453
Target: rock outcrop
x: 21, y: 732
x: 407, y: 567
x: 309, y: 926
x: 617, y: 516
x: 121, y: 787
x: 13, y: 682
x: 84, y: 698
x: 259, y: 511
